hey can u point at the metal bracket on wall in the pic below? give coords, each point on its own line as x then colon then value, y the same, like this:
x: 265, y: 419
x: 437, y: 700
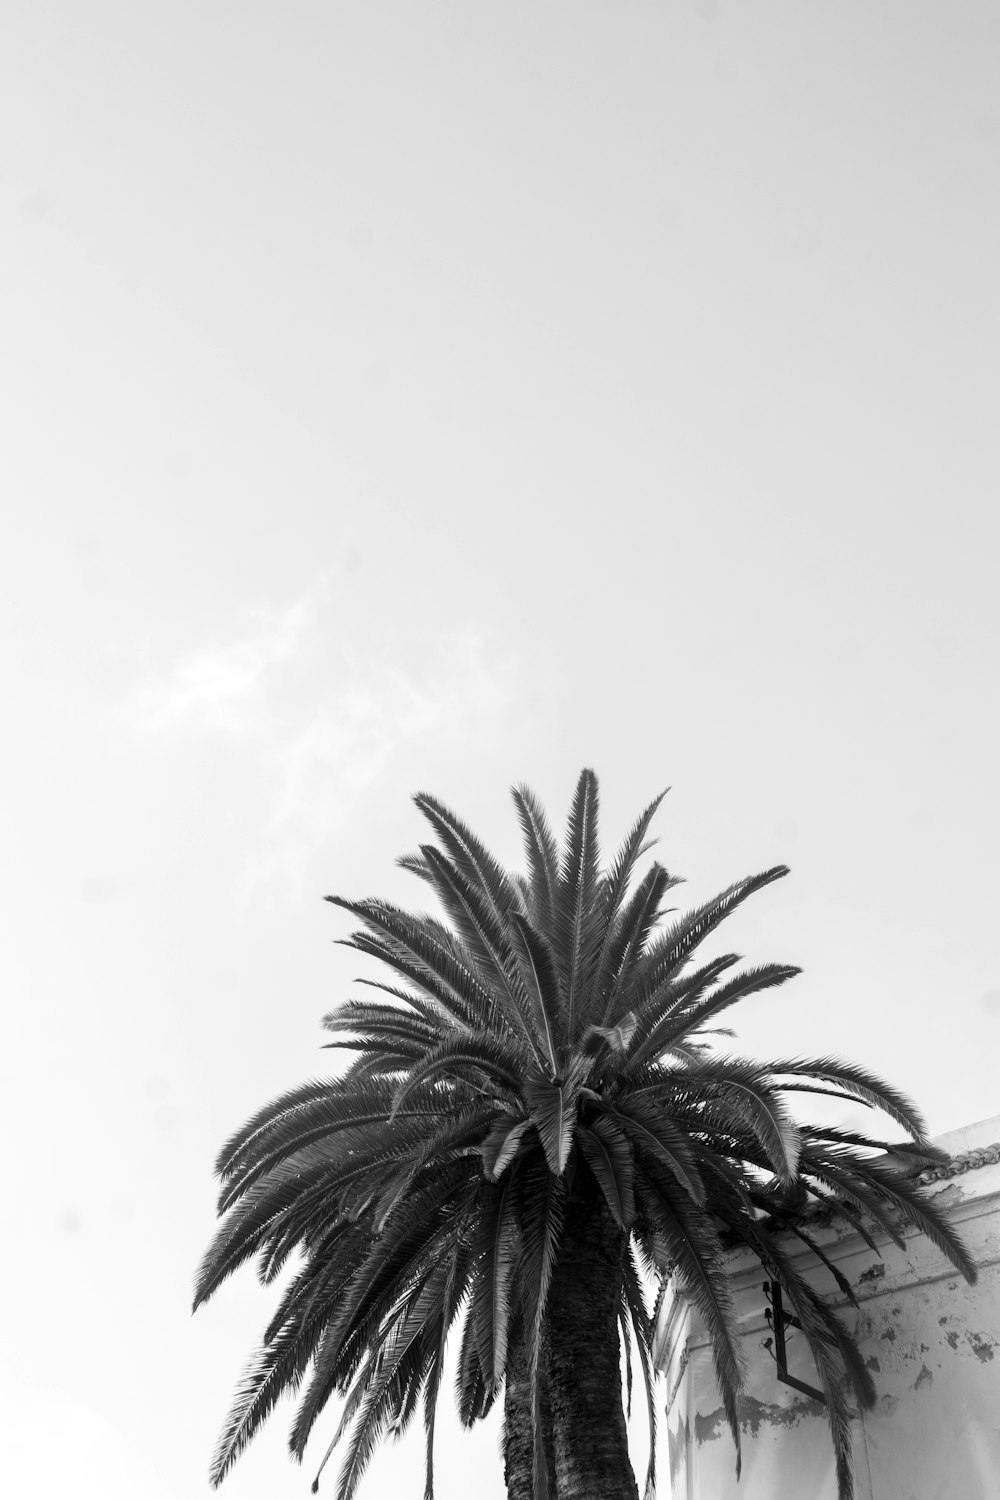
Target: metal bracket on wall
x: 778, y: 1320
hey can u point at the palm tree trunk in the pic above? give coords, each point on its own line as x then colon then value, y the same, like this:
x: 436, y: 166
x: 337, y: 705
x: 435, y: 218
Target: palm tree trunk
x: 589, y: 1437
x: 518, y: 1431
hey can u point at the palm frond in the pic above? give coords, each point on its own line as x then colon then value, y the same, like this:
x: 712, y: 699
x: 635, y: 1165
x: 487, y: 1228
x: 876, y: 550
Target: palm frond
x: 413, y: 1237
x: 419, y: 950
x: 654, y: 1135
x: 919, y: 1153
x: 541, y: 976
x: 500, y: 1145
x: 342, y: 1122
x: 461, y: 1002
x: 625, y: 941
x: 553, y: 1112
x: 609, y: 1156
x: 495, y: 1249
x: 245, y: 1230
x: 915, y: 1206
x: 541, y: 852
x: 576, y: 896
x: 458, y: 1135
x: 695, y: 1253
x: 413, y: 1324
x: 487, y: 940
x: 542, y: 1212
x: 843, y: 1285
x: 764, y: 1113
x: 750, y: 982
x: 473, y: 1391
x: 615, y: 883
x: 455, y: 1057
x: 431, y: 1010
x: 232, y: 1153
x: 414, y: 864
x: 363, y: 1017
x: 654, y: 1006
x: 675, y: 946
x: 384, y: 1409
x: 470, y: 856
x: 860, y: 1084
x: 275, y: 1369
x: 848, y: 1186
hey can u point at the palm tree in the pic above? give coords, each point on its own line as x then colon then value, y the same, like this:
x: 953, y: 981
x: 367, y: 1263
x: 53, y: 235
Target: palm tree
x: 536, y: 1130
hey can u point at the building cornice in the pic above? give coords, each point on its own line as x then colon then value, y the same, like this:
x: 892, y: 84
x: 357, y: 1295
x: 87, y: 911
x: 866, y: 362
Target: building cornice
x: 955, y: 1166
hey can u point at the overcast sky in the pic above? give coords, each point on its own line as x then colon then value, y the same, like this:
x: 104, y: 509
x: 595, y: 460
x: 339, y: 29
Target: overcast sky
x: 404, y: 396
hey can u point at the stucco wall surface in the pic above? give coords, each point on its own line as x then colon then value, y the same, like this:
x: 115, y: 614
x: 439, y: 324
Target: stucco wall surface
x: 931, y: 1341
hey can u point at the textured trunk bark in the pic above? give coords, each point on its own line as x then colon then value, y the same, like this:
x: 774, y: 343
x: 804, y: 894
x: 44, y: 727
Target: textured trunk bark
x: 517, y: 1444
x: 589, y: 1437
x: 518, y: 1434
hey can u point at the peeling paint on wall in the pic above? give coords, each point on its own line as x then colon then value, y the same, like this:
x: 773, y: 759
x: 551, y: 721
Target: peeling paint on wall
x: 707, y: 1429
x: 754, y: 1415
x: 678, y: 1443
x: 981, y: 1347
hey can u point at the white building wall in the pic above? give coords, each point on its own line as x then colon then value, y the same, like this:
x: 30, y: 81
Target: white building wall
x: 931, y: 1341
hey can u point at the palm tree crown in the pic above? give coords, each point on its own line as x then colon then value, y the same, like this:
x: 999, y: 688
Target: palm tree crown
x: 549, y: 1039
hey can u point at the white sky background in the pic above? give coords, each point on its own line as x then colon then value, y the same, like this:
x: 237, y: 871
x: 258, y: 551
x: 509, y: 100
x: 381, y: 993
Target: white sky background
x: 431, y: 396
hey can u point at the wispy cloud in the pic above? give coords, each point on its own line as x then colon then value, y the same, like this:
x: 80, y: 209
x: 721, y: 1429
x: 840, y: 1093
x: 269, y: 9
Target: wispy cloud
x: 330, y: 755
x: 223, y: 686
x: 325, y: 714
